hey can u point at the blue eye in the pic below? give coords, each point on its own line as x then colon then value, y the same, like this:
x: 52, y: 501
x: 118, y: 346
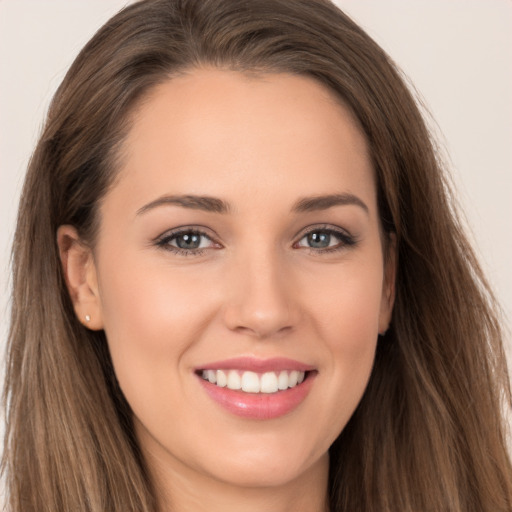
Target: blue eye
x: 186, y: 241
x: 192, y: 242
x: 319, y: 240
x: 325, y: 239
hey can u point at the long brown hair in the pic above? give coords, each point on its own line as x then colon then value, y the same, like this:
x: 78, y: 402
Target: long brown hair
x: 429, y: 433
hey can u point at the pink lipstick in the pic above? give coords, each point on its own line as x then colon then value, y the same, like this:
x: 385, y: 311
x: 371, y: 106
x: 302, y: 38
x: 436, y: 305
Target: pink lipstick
x: 257, y: 388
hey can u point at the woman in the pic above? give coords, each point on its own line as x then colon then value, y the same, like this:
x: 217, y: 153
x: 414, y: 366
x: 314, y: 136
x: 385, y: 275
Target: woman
x: 239, y: 282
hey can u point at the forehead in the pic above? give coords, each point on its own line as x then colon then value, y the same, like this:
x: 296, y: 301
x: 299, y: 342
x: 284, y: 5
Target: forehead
x: 224, y: 133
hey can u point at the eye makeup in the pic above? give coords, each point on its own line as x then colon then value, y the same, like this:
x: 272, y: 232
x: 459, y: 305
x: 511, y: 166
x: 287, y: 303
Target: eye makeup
x: 187, y: 241
x: 194, y: 241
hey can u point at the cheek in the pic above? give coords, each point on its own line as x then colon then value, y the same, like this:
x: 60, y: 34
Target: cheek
x: 353, y: 336
x: 150, y: 298
x: 346, y: 318
x: 152, y: 316
x: 347, y: 304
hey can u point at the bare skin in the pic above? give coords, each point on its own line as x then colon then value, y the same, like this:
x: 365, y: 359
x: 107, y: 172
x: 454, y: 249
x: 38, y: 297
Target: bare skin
x: 213, y: 245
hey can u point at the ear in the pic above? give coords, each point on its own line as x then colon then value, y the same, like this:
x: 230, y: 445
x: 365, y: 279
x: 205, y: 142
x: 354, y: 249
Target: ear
x: 80, y: 275
x: 389, y: 282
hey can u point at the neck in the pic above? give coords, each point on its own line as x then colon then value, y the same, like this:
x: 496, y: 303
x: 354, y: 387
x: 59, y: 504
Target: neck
x: 180, y: 488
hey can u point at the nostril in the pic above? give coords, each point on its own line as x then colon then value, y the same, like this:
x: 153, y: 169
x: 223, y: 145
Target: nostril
x: 263, y: 331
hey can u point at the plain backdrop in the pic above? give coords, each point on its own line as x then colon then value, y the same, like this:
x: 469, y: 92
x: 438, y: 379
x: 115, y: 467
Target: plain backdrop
x: 458, y: 54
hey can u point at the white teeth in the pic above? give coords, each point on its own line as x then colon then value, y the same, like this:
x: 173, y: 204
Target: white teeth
x: 282, y: 381
x: 269, y: 383
x: 222, y: 379
x: 252, y: 382
x: 234, y: 380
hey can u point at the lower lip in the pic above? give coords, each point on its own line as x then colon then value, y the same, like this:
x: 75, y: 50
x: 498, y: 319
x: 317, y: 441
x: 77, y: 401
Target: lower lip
x: 259, y: 406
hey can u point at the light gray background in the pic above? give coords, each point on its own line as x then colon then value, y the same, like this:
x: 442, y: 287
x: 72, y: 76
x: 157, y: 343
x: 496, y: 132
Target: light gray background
x: 458, y: 53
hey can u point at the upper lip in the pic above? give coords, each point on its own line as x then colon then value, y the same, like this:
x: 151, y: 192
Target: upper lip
x: 257, y: 365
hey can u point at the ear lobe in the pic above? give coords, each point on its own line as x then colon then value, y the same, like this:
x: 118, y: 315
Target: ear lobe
x: 389, y: 284
x: 80, y: 274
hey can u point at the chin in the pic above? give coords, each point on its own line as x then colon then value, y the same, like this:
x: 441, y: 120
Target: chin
x: 271, y: 459
x: 265, y: 472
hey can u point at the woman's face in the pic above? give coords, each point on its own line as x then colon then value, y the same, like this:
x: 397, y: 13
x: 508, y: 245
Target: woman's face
x: 241, y: 246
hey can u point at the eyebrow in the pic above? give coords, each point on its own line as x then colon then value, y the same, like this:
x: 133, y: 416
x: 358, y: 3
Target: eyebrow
x: 215, y: 205
x: 205, y: 203
x: 317, y: 203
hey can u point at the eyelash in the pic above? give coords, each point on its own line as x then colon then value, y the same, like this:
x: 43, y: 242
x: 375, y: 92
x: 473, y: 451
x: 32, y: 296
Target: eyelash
x: 345, y: 241
x: 165, y: 240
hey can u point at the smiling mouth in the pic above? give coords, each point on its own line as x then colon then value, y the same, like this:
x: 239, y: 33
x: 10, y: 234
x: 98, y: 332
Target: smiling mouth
x: 253, y: 382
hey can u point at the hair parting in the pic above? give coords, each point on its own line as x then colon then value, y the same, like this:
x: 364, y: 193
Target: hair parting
x: 427, y: 434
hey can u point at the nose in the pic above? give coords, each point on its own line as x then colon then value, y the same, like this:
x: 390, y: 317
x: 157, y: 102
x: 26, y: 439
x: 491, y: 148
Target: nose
x: 262, y: 301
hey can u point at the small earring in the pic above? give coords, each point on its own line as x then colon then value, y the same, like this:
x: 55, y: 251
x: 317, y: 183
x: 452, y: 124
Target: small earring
x: 87, y: 318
